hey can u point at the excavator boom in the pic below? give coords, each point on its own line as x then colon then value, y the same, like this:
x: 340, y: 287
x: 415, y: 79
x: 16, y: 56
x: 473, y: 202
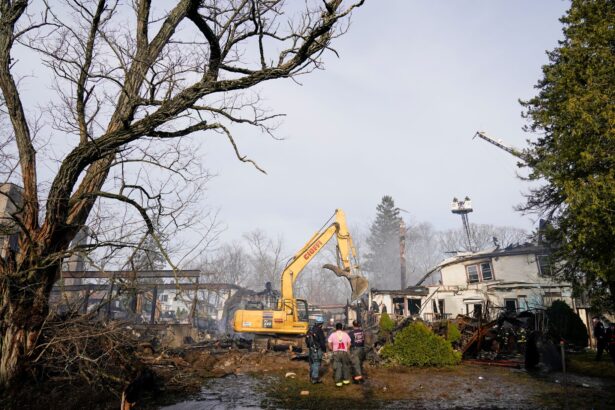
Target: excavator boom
x: 346, y: 252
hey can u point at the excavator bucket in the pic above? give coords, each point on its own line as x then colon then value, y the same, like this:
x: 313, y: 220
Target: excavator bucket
x: 358, y: 284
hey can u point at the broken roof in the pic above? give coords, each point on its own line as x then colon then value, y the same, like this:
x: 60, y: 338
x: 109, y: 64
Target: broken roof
x: 511, y: 250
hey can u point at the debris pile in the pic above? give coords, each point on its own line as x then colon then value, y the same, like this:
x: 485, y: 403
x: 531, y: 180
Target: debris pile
x: 512, y: 340
x: 75, y: 347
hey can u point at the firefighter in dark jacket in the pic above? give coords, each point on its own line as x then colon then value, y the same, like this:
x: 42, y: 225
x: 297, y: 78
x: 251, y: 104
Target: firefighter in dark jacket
x: 317, y: 346
x: 610, y: 340
x: 600, y: 335
x: 357, y: 351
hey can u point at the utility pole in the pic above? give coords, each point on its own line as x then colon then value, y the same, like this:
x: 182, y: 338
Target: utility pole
x: 402, y: 252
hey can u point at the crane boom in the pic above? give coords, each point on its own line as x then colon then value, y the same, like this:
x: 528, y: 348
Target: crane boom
x: 510, y: 150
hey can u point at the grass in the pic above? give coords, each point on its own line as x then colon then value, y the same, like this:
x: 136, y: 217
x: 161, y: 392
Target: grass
x: 584, y: 363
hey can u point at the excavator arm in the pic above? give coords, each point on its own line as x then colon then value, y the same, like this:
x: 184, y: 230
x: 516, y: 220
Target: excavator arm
x: 346, y: 255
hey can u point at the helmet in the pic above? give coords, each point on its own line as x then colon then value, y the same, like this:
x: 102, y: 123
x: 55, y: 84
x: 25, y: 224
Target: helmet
x: 319, y: 320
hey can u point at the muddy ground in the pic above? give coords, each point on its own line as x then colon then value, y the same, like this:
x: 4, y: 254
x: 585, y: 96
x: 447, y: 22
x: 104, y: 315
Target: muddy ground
x: 259, y: 380
x: 238, y: 379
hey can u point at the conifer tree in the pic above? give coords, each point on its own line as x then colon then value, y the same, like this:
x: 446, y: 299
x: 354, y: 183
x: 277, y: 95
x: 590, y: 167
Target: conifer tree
x: 383, y: 257
x: 574, y: 115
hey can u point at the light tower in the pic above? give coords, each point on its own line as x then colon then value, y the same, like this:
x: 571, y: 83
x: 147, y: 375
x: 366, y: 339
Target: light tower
x: 463, y: 208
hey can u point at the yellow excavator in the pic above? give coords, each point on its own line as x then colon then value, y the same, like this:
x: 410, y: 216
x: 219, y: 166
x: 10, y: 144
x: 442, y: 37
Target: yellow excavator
x: 289, y: 320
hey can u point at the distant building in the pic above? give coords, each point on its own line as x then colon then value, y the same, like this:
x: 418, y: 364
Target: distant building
x: 10, y: 201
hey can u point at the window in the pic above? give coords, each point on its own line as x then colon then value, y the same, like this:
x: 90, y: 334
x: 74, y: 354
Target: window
x: 523, y: 305
x: 479, y: 272
x: 164, y: 298
x: 414, y: 306
x: 472, y: 273
x: 398, y: 306
x: 437, y: 306
x: 544, y: 265
x: 485, y: 269
x: 302, y: 310
x: 549, y: 297
x: 511, y: 305
x: 475, y: 310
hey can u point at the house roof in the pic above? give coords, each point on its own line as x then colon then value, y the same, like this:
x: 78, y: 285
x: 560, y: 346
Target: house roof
x: 527, y: 248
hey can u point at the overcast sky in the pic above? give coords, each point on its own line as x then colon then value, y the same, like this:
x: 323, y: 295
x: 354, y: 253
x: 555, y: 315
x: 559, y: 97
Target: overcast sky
x: 395, y: 115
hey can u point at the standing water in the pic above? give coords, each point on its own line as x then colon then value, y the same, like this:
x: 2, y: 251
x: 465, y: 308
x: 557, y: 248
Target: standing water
x: 231, y: 392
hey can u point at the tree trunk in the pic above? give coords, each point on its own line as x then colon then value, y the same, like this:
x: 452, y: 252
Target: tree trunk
x: 23, y: 309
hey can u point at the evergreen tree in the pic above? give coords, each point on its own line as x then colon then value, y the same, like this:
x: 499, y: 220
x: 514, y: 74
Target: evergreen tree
x: 382, y: 261
x: 565, y: 324
x: 574, y: 113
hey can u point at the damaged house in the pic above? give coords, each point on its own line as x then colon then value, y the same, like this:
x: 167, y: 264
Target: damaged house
x: 485, y: 283
x: 481, y: 284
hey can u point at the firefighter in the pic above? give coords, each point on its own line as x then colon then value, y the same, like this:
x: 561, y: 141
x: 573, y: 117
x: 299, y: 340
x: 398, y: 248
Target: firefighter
x: 357, y: 351
x: 600, y: 336
x: 610, y: 340
x: 317, y: 345
x: 339, y: 344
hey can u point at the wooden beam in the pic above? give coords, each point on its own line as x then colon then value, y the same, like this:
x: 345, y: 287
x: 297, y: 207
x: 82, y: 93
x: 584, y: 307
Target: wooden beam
x: 84, y: 274
x: 147, y: 286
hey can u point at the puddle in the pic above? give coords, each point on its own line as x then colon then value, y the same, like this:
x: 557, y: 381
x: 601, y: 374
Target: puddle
x: 232, y: 392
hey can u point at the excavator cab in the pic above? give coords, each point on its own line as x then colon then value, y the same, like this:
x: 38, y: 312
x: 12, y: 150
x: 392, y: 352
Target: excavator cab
x: 302, y: 310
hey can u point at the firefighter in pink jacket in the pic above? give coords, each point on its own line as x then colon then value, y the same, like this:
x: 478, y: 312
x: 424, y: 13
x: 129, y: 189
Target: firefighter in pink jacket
x: 339, y: 344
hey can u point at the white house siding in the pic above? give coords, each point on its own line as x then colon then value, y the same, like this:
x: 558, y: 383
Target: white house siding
x: 515, y: 277
x: 454, y: 275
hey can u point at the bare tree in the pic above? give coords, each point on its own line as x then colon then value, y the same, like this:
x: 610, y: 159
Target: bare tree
x: 483, y: 236
x: 126, y: 87
x: 265, y: 256
x: 228, y: 264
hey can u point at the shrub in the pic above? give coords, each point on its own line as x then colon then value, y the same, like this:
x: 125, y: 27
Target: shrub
x: 417, y: 345
x: 386, y: 323
x: 565, y: 324
x: 452, y: 333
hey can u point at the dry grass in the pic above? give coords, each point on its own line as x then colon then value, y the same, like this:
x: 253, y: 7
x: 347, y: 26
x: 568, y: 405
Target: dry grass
x: 586, y: 365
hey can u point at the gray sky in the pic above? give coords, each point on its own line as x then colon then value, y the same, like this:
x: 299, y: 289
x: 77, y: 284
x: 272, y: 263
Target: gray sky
x: 395, y: 115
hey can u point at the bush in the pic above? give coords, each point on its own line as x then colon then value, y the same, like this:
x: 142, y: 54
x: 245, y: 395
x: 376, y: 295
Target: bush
x: 417, y: 345
x: 452, y: 333
x: 386, y: 323
x: 565, y: 324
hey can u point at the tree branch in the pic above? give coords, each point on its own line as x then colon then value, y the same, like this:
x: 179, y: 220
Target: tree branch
x: 10, y: 13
